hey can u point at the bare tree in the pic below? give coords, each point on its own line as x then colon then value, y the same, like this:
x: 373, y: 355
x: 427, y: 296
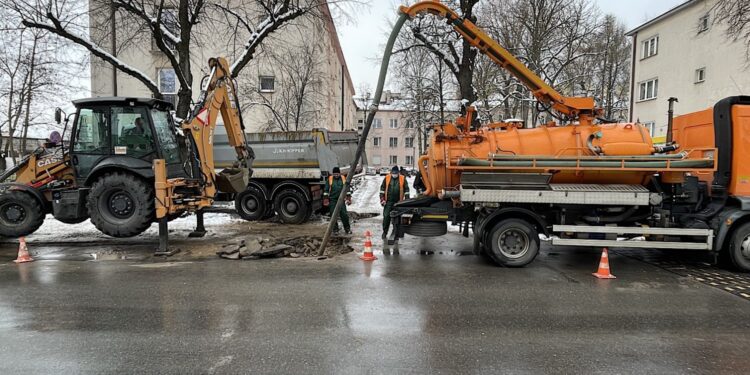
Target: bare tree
x: 736, y: 15
x: 297, y: 100
x: 456, y: 54
x: 176, y: 27
x: 551, y: 37
x: 424, y: 81
x: 35, y: 71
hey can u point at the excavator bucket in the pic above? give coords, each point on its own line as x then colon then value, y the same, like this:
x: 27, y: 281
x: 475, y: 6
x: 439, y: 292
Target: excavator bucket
x: 233, y: 180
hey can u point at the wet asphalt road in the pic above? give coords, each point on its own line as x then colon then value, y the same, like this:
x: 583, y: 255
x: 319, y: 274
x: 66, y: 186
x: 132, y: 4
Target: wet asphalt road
x: 406, y: 313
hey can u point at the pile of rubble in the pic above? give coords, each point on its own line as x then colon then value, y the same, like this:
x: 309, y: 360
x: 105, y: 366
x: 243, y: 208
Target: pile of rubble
x: 293, y: 247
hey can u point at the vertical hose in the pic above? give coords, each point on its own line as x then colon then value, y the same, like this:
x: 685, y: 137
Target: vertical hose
x: 425, y: 178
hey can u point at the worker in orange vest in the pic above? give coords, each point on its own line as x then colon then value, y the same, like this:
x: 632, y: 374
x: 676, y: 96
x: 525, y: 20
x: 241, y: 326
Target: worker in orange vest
x: 334, y: 186
x: 393, y: 190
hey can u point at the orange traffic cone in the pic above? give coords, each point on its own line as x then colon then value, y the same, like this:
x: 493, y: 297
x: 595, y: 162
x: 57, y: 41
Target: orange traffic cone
x: 603, y: 272
x: 23, y: 252
x: 368, y: 255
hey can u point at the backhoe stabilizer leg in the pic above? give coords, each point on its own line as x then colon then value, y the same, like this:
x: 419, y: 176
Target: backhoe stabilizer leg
x: 164, y: 248
x: 200, y: 229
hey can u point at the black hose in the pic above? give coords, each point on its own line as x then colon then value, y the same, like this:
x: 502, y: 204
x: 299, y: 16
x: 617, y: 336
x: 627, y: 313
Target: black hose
x: 611, y: 219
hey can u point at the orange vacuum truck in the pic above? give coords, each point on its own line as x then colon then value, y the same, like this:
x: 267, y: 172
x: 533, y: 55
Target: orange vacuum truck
x: 582, y: 180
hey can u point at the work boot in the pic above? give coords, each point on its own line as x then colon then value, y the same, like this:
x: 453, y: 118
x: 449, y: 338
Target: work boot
x: 335, y: 230
x: 385, y: 235
x: 348, y: 231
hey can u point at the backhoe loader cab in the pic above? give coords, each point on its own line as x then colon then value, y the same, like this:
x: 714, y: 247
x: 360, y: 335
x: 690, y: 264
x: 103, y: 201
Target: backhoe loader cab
x: 126, y: 133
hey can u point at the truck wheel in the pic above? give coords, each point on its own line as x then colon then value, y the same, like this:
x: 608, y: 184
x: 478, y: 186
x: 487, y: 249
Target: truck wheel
x: 20, y: 214
x: 426, y: 228
x: 291, y: 206
x: 739, y: 248
x: 121, y: 205
x: 513, y: 243
x: 251, y: 205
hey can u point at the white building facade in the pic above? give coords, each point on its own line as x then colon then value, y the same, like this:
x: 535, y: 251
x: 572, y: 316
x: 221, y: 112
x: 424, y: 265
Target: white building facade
x: 261, y: 83
x: 684, y: 54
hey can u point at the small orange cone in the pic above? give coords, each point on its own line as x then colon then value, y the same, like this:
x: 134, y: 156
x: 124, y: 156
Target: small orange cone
x: 603, y: 272
x: 23, y: 252
x: 368, y: 255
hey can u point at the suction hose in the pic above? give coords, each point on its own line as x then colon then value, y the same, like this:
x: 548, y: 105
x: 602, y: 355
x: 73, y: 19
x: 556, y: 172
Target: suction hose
x: 368, y: 123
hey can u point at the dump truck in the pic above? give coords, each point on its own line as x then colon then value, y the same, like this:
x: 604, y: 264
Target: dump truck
x: 124, y: 167
x: 581, y: 180
x: 289, y: 171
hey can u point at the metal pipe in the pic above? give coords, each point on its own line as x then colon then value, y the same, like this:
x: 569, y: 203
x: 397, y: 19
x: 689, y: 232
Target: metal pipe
x: 670, y: 118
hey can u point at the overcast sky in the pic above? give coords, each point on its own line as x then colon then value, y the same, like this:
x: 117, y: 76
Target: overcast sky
x: 363, y: 37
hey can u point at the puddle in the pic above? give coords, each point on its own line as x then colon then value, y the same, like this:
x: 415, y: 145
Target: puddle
x: 161, y: 265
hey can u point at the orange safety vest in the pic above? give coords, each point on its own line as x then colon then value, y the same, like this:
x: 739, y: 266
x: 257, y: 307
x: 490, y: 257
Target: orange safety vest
x: 330, y: 182
x: 401, y: 181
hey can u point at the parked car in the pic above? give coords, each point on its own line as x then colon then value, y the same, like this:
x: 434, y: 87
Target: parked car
x: 384, y: 171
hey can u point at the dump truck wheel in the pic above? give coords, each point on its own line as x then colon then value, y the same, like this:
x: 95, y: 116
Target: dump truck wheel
x: 426, y: 228
x: 251, y: 205
x: 20, y: 214
x: 513, y: 243
x: 121, y: 205
x: 739, y: 248
x: 291, y: 206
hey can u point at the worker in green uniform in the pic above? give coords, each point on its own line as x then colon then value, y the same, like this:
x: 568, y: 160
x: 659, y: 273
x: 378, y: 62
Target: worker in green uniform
x: 393, y: 190
x: 332, y: 193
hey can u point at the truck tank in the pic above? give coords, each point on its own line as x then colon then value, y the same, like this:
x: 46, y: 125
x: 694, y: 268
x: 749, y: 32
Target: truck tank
x: 620, y: 153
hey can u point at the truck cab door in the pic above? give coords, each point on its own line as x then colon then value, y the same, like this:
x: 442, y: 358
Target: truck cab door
x: 90, y: 140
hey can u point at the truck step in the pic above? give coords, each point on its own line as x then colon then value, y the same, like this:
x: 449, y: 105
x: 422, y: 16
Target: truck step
x: 705, y: 244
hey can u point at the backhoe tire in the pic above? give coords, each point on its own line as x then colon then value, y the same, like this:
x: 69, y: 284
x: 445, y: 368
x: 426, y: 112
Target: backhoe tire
x: 251, y: 205
x: 291, y: 206
x: 121, y: 205
x: 739, y: 248
x: 20, y: 214
x: 513, y: 243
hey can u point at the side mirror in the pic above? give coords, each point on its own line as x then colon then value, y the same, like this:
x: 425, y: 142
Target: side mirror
x: 58, y: 115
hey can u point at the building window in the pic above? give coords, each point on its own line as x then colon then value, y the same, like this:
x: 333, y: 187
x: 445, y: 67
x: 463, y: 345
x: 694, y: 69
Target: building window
x: 394, y: 160
x: 376, y: 160
x: 267, y: 83
x: 409, y: 160
x: 394, y: 123
x: 700, y: 75
x: 648, y: 89
x: 703, y: 24
x: 651, y: 126
x: 393, y: 142
x: 376, y: 123
x: 650, y: 47
x: 171, y: 24
x: 409, y: 124
x: 168, y: 85
x: 376, y: 141
x: 409, y: 142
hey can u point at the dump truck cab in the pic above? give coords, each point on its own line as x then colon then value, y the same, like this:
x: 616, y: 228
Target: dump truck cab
x: 123, y: 133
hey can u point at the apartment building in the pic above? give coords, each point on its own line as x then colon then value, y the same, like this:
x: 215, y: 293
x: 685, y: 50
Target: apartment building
x: 683, y: 53
x: 263, y: 83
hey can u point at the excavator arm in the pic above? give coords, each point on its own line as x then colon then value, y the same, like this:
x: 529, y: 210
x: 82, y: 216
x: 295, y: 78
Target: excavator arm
x: 580, y: 108
x: 218, y: 97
